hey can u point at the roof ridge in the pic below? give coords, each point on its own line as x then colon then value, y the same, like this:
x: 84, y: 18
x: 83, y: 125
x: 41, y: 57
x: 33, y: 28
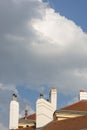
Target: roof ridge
x: 72, y: 104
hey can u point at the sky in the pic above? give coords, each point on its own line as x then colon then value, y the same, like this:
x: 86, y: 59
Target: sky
x: 43, y: 44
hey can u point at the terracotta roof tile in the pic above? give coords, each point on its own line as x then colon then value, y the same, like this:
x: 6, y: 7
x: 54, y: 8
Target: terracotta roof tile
x: 79, y: 106
x: 30, y: 117
x: 68, y: 124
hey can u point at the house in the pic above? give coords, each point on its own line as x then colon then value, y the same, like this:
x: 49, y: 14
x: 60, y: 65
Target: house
x: 48, y: 117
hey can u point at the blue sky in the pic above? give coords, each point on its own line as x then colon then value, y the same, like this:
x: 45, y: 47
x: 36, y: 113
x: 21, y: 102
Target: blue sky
x: 42, y: 45
x: 74, y: 10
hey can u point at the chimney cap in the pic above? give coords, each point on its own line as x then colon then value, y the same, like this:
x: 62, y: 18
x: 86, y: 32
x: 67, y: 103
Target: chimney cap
x: 13, y: 94
x: 14, y: 97
x: 41, y: 95
x: 53, y: 89
x: 82, y: 90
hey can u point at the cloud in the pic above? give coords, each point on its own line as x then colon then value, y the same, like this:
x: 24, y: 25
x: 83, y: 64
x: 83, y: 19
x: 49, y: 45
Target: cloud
x: 10, y: 88
x: 51, y: 20
x: 38, y: 46
x: 2, y: 127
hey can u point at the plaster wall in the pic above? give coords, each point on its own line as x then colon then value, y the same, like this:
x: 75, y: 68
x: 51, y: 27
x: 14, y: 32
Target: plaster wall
x: 14, y: 115
x: 83, y: 95
x: 44, y: 112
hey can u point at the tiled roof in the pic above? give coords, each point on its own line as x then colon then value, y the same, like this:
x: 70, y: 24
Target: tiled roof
x: 68, y: 124
x: 79, y: 106
x: 76, y: 123
x: 30, y: 117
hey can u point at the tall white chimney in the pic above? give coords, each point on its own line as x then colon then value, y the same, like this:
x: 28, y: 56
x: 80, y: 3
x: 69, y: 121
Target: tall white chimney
x: 83, y: 95
x: 45, y: 109
x: 53, y: 97
x: 14, y: 113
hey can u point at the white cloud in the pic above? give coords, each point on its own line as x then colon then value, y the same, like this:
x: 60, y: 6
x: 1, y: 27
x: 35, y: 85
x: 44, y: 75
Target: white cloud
x: 2, y: 127
x: 57, y: 28
x: 39, y: 46
x: 8, y: 87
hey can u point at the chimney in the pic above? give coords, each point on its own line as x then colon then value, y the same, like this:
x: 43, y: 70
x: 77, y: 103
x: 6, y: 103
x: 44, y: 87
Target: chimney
x: 53, y: 97
x: 14, y: 97
x: 41, y: 95
x: 45, y: 109
x: 83, y: 95
x: 26, y: 114
x: 14, y: 113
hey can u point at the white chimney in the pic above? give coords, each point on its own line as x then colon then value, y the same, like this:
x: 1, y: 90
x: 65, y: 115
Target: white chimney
x: 53, y: 97
x: 83, y: 95
x: 45, y: 109
x: 14, y: 113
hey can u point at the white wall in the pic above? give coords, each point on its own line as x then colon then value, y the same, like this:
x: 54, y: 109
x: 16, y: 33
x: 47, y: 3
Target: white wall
x: 44, y: 113
x: 45, y: 109
x: 83, y: 95
x: 14, y: 115
x: 53, y: 97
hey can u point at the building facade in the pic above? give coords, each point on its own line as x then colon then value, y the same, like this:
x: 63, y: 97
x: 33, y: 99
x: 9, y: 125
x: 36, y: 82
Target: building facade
x: 48, y: 117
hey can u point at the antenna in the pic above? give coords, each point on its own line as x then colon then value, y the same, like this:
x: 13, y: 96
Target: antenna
x: 42, y: 92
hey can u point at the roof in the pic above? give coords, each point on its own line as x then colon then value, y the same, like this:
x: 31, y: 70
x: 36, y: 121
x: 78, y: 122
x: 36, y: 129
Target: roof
x: 76, y: 123
x: 30, y: 117
x: 27, y: 121
x: 78, y: 106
